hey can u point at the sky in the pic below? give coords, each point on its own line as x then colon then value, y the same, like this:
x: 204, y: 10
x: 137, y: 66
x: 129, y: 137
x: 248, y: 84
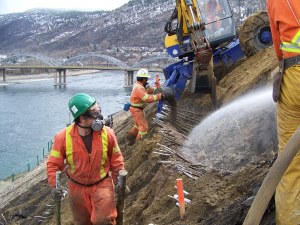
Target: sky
x: 13, y: 6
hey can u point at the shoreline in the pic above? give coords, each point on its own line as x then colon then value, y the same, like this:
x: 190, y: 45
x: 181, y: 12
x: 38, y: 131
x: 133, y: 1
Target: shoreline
x: 24, y: 78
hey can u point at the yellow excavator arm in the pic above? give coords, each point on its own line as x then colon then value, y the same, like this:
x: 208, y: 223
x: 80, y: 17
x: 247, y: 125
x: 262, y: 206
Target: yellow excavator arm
x: 185, y: 39
x: 188, y: 11
x: 188, y: 33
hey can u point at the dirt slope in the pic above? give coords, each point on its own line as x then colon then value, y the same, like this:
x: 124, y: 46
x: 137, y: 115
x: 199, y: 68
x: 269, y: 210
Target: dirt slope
x: 217, y: 196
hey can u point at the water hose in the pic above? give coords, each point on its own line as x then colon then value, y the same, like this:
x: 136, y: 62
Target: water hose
x: 272, y: 179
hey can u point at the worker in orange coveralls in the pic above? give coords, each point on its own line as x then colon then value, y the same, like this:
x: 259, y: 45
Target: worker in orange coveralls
x: 139, y: 98
x: 285, y: 27
x: 94, y: 160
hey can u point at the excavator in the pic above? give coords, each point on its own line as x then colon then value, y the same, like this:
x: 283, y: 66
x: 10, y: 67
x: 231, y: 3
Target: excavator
x: 203, y: 36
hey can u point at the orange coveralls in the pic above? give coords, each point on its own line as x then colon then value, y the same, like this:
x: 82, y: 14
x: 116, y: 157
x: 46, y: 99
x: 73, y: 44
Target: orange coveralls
x: 286, y: 39
x: 138, y: 100
x: 91, y: 201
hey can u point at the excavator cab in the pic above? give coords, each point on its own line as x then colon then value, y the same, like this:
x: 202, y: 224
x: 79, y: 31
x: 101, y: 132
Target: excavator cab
x: 218, y: 19
x: 217, y: 26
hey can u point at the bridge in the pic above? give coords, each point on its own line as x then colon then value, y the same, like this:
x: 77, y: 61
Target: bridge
x: 90, y: 61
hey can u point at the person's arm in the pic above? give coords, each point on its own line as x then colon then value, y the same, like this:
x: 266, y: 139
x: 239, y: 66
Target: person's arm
x: 56, y: 158
x: 275, y: 31
x: 150, y: 90
x: 142, y: 94
x: 116, y: 159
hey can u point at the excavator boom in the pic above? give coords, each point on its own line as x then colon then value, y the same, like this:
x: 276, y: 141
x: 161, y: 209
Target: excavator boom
x: 187, y: 42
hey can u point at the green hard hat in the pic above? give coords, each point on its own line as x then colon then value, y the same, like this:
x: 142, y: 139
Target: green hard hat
x: 80, y: 103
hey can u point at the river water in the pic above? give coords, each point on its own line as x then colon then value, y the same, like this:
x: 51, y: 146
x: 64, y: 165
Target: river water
x: 31, y: 113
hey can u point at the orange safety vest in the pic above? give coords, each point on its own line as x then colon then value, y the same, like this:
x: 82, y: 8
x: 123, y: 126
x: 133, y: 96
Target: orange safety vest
x: 85, y: 168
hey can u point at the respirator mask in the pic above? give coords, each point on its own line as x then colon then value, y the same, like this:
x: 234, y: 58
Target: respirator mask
x: 100, y: 121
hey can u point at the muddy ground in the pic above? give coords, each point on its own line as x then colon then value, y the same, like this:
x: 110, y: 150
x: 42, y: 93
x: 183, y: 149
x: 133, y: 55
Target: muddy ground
x: 218, y: 196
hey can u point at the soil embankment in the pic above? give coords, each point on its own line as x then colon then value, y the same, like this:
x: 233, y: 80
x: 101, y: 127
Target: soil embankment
x: 217, y: 196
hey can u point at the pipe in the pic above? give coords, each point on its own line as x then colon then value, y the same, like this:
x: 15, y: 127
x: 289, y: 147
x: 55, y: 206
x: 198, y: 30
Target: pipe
x: 272, y: 179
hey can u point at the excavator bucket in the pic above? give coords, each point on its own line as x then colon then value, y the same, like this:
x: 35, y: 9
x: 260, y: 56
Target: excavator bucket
x: 202, y: 81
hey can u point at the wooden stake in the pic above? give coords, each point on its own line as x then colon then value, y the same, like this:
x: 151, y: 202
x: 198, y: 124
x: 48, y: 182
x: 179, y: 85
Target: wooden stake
x: 121, y: 196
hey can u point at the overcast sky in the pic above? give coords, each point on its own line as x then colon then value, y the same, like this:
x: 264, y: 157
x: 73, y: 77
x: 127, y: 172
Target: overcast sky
x: 11, y: 6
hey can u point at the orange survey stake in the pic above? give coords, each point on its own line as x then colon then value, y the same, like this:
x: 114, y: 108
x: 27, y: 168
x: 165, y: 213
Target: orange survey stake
x: 180, y: 197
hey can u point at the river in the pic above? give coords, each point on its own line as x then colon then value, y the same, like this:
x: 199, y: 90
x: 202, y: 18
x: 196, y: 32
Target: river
x: 31, y: 113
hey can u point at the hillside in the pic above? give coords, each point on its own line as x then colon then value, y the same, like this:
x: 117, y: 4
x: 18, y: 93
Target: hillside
x: 218, y: 194
x: 129, y: 33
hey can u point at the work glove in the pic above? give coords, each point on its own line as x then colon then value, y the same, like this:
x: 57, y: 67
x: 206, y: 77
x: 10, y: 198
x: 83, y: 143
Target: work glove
x: 56, y: 194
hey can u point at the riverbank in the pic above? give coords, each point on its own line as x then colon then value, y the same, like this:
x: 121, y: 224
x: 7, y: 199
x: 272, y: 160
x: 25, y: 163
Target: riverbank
x: 19, y: 79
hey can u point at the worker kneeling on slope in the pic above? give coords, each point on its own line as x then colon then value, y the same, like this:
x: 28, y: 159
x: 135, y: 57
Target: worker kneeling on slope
x: 94, y: 160
x: 141, y: 95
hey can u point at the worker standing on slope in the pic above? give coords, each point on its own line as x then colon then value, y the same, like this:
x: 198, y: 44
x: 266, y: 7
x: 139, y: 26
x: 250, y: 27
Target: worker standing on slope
x: 141, y: 95
x: 94, y: 161
x: 285, y: 27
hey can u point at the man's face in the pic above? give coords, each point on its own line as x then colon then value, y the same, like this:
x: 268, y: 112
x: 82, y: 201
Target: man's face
x: 91, y: 114
x: 94, y: 110
x: 145, y: 81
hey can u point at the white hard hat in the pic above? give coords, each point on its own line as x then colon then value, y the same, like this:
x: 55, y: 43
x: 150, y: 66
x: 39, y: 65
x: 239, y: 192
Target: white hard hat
x: 143, y: 73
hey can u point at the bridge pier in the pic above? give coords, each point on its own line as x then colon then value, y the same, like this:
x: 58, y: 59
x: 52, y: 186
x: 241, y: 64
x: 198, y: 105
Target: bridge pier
x: 128, y: 78
x: 4, y: 75
x: 61, y: 77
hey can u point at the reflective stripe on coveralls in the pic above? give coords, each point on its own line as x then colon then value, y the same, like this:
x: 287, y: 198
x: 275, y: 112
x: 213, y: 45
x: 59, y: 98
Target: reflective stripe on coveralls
x: 293, y: 46
x: 54, y: 153
x: 69, y: 151
x: 287, y: 196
